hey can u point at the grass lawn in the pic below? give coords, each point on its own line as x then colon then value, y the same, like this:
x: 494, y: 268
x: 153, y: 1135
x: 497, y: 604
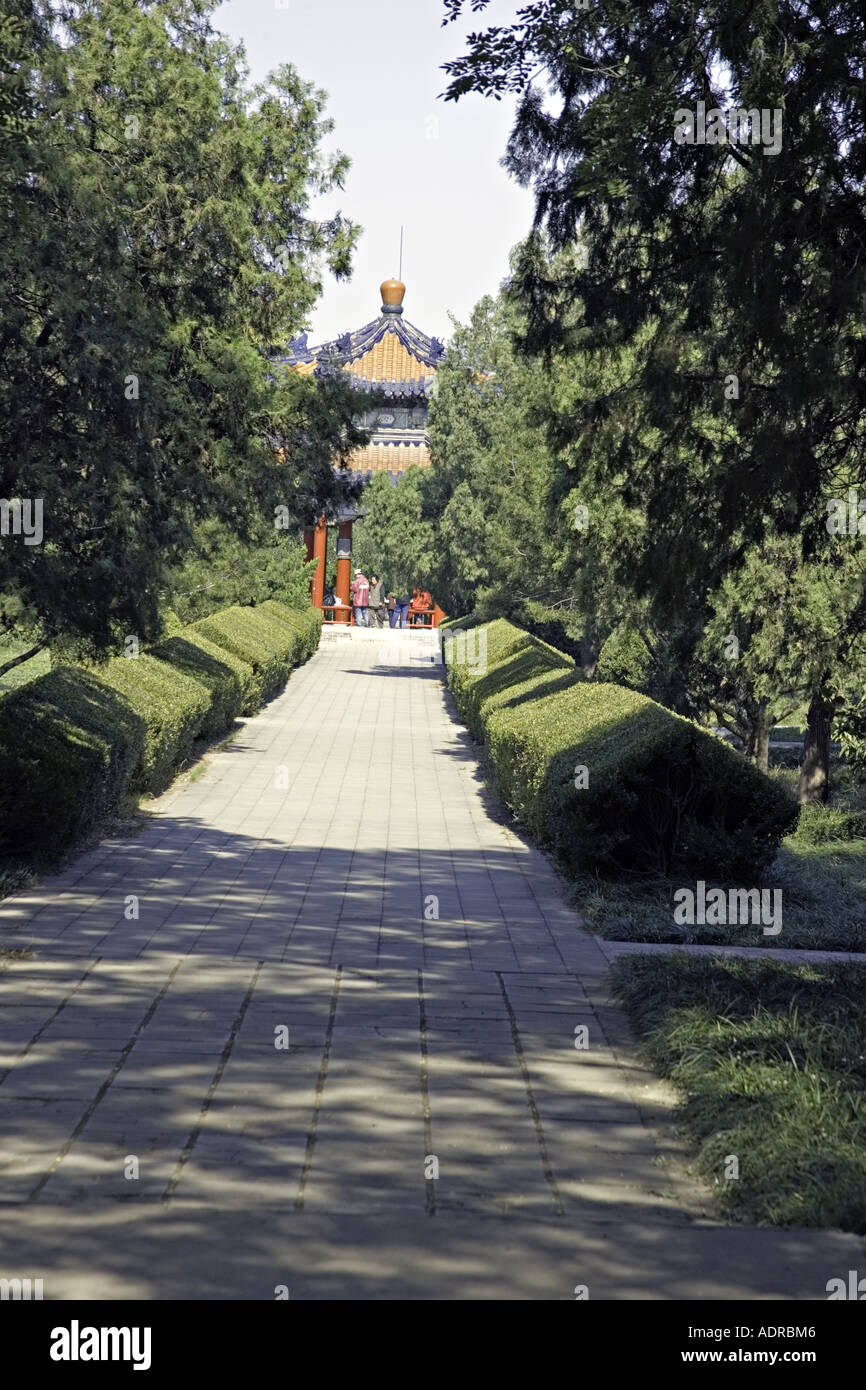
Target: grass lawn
x: 770, y: 1060
x: 38, y: 665
x: 820, y: 869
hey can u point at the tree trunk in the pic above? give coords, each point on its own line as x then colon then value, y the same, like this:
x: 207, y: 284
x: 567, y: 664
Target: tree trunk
x: 815, y: 769
x: 758, y: 745
x: 588, y: 656
x: 25, y: 656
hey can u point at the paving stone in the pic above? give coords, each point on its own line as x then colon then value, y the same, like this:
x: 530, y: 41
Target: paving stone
x: 309, y: 909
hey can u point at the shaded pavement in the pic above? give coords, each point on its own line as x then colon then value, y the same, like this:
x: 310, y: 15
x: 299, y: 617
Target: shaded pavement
x: 316, y: 1027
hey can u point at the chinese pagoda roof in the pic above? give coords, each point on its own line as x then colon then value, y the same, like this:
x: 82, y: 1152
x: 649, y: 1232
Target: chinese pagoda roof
x: 388, y: 355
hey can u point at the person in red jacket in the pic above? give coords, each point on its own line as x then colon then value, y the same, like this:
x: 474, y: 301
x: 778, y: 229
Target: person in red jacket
x: 421, y: 603
x: 361, y: 599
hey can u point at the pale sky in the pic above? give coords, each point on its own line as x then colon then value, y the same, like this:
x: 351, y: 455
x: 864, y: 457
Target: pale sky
x: 430, y: 165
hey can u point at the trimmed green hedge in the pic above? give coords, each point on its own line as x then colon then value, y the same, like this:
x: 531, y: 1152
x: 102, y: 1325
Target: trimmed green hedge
x: 172, y: 708
x: 228, y: 680
x: 75, y: 742
x: 498, y: 663
x: 661, y: 794
x: 269, y: 644
x: 307, y: 622
x: 69, y: 745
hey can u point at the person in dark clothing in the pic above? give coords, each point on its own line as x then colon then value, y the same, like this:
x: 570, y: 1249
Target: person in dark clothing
x: 400, y: 615
x: 377, y: 601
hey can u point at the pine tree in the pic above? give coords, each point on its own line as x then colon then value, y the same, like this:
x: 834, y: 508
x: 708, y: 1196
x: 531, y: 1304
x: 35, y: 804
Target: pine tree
x: 156, y: 241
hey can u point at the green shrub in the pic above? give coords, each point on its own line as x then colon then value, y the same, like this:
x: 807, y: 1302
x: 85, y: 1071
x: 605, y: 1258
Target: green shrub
x: 172, y: 706
x: 661, y: 794
x: 849, y: 727
x: 306, y: 621
x: 74, y: 742
x: 262, y: 640
x: 624, y: 659
x: 499, y: 663
x: 69, y: 744
x: 229, y: 680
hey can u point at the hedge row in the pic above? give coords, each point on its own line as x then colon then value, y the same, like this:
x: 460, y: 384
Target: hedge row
x: 557, y: 627
x: 74, y: 742
x: 660, y: 794
x: 498, y: 664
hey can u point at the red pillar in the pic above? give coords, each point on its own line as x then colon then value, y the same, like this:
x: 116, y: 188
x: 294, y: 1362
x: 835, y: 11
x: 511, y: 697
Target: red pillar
x: 320, y: 544
x: 310, y: 541
x: 344, y: 571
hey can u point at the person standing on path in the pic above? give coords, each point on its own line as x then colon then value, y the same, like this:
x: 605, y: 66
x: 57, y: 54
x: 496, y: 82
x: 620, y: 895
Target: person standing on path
x: 361, y: 599
x: 377, y: 600
x: 400, y: 616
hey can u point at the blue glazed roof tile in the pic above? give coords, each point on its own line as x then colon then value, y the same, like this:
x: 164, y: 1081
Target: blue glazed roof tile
x: 339, y: 352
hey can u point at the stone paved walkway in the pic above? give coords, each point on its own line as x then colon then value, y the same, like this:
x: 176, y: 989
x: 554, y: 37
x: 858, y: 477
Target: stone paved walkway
x: 337, y: 881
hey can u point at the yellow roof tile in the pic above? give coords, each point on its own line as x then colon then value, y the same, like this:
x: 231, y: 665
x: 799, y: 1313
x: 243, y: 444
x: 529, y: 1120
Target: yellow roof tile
x: 393, y: 458
x: 389, y: 360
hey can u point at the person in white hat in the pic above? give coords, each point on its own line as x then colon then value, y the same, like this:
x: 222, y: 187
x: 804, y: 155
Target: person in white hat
x: 361, y: 599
